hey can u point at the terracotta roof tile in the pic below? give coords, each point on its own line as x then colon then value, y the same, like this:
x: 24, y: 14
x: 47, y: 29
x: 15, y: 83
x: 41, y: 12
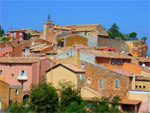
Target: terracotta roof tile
x: 130, y: 102
x: 124, y: 72
x: 20, y: 60
x: 73, y: 67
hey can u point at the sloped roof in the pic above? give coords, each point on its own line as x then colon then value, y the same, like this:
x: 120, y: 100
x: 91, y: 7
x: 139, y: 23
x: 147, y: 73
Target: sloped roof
x: 130, y: 102
x: 20, y: 60
x: 69, y: 66
x: 124, y: 72
x: 106, y: 54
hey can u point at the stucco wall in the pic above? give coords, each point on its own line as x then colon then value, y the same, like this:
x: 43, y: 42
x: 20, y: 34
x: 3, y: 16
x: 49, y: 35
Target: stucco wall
x: 14, y: 97
x: 61, y: 74
x: 132, y: 68
x: 142, y: 96
x: 8, y: 70
x: 145, y: 74
x: 4, y: 94
x: 92, y: 41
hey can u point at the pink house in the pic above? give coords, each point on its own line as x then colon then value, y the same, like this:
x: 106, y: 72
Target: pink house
x: 23, y: 71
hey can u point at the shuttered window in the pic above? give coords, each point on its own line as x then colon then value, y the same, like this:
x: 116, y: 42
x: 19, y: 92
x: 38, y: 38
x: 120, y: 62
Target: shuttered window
x: 80, y: 76
x: 101, y: 81
x: 117, y: 83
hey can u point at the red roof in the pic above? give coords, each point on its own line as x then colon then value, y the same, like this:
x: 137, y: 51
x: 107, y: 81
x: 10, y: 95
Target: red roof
x: 130, y: 102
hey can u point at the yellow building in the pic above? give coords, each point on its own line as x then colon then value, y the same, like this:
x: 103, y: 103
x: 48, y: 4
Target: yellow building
x: 65, y: 72
x: 137, y: 48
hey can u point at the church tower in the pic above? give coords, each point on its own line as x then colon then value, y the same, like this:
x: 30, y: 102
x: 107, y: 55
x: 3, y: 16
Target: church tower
x: 48, y: 30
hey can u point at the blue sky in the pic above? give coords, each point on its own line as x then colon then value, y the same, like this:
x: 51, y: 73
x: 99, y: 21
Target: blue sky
x: 130, y: 15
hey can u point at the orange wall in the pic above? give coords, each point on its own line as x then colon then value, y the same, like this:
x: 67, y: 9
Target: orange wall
x: 70, y: 41
x: 132, y: 68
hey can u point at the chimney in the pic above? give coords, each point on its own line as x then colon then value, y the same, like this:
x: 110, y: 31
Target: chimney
x: 10, y: 29
x: 78, y: 57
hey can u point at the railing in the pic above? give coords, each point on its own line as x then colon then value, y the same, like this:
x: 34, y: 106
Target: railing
x: 22, y: 77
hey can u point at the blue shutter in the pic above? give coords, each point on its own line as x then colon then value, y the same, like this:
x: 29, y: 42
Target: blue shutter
x: 101, y: 83
x: 80, y: 76
x: 117, y: 61
x: 19, y: 73
x: 117, y: 83
x: 25, y: 73
x: 112, y: 61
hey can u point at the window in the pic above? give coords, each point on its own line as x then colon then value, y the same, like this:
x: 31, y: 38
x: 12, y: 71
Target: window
x: 139, y: 86
x: 20, y: 38
x: 1, y: 73
x: 20, y: 34
x: 51, y: 56
x: 80, y: 76
x: 16, y: 92
x: 101, y: 83
x: 89, y: 80
x: 117, y: 83
x: 82, y: 65
x: 12, y: 75
x: 22, y: 73
x: 143, y: 86
x: 112, y: 61
x: 117, y: 61
x: 121, y: 61
x: 10, y: 34
x: 14, y: 34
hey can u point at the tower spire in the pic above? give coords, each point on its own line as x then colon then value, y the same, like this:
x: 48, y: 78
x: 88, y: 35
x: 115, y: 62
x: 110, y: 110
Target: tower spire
x: 49, y: 18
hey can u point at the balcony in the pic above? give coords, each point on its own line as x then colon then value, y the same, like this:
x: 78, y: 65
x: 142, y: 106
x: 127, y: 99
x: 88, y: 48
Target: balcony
x: 22, y: 78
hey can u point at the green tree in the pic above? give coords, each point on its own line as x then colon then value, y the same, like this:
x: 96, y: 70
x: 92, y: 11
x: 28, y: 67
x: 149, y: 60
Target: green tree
x: 126, y: 36
x: 15, y: 107
x: 144, y: 38
x: 114, y: 32
x: 74, y: 107
x: 1, y: 31
x: 105, y: 105
x: 43, y: 98
x: 5, y: 39
x: 133, y: 35
x: 69, y: 96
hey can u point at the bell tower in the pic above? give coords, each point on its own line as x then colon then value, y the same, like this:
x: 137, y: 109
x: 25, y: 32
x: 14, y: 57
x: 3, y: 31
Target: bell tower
x: 48, y: 30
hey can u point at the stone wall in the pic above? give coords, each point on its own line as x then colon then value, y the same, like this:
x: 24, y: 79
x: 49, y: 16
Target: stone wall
x: 95, y: 73
x: 120, y: 45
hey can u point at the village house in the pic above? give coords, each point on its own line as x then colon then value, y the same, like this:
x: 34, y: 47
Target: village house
x: 23, y: 71
x: 65, y: 72
x: 20, y: 34
x: 88, y: 29
x: 8, y: 94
